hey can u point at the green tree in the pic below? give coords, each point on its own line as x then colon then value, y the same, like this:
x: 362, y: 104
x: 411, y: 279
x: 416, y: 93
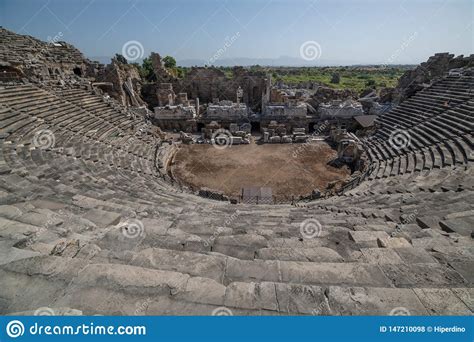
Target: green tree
x: 170, y: 62
x: 120, y: 58
x: 370, y: 83
x: 146, y: 69
x: 181, y: 72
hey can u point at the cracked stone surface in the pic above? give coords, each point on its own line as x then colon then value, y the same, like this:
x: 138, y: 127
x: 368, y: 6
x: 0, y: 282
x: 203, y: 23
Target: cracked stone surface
x: 92, y: 226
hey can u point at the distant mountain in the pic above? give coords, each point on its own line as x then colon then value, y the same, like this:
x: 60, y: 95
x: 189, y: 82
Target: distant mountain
x: 280, y: 61
x: 108, y: 59
x: 244, y: 61
x: 101, y: 59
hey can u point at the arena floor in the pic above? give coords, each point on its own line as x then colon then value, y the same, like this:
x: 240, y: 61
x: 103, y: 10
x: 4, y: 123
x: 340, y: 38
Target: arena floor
x: 289, y: 169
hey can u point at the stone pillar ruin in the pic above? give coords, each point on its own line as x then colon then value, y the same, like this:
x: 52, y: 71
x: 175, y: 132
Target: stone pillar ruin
x: 183, y: 99
x: 165, y: 94
x: 240, y: 93
x: 267, y: 92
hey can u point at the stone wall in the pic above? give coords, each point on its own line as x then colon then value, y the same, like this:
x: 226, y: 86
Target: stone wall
x: 285, y: 111
x: 326, y: 94
x: 126, y: 83
x: 226, y: 111
x: 434, y: 68
x: 209, y: 84
x: 340, y: 109
x: 41, y: 61
x: 175, y: 113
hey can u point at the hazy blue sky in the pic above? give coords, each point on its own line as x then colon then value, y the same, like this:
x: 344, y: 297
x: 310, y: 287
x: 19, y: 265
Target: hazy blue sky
x: 357, y: 31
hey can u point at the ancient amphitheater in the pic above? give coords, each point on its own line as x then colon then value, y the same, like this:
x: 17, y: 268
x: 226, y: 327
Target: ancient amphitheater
x: 90, y: 223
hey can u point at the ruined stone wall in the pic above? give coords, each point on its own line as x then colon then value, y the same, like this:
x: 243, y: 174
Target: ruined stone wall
x: 209, y: 84
x: 277, y: 95
x: 326, y: 94
x: 435, y: 67
x: 126, y: 83
x: 289, y: 123
x: 148, y: 94
x: 226, y: 111
x: 26, y: 57
x: 41, y: 61
x: 175, y: 113
x: 285, y: 112
x: 340, y: 109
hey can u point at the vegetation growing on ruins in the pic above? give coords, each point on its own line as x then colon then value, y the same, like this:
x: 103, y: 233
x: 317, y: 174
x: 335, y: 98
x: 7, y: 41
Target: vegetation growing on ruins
x: 120, y: 58
x: 146, y: 68
x: 170, y: 62
x: 355, y: 78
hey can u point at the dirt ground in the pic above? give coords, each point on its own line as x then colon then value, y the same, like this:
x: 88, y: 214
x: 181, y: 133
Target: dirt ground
x: 289, y: 169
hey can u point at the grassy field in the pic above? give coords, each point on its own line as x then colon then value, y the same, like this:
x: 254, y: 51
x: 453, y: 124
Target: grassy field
x: 356, y: 78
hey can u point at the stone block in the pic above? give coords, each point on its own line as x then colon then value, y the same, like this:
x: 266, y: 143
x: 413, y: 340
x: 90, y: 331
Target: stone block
x: 102, y: 218
x: 454, y: 253
x: 466, y: 269
x: 241, y: 246
x: 462, y: 226
x: 131, y: 279
x: 367, y: 236
x: 316, y: 254
x: 466, y: 295
x: 381, y: 256
x: 251, y: 296
x: 373, y: 301
x: 332, y: 273
x: 422, y: 275
x: 393, y: 242
x: 412, y: 255
x: 16, y: 230
x: 10, y: 212
x: 428, y: 222
x: 442, y: 302
x: 9, y: 254
x: 255, y: 270
x: 301, y: 299
x: 202, y: 290
x: 195, y: 264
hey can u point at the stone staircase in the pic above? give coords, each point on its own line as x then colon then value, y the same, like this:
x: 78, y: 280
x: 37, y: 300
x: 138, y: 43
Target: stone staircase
x: 88, y: 223
x: 34, y: 57
x: 429, y: 131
